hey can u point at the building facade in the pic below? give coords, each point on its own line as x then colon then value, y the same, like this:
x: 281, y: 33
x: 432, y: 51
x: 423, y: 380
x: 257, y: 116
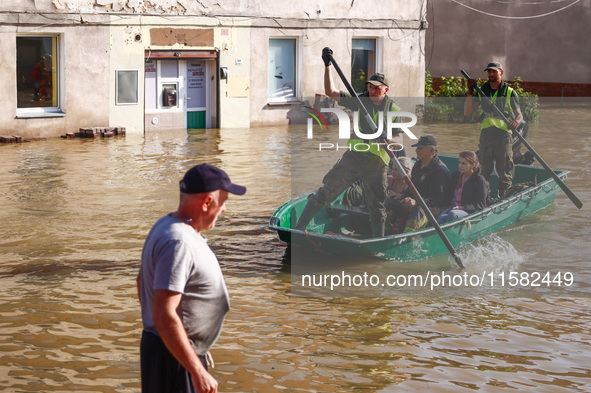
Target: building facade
x: 543, y: 42
x: 163, y: 64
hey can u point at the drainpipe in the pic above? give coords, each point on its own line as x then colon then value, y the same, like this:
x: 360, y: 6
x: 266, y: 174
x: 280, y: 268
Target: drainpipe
x: 217, y: 94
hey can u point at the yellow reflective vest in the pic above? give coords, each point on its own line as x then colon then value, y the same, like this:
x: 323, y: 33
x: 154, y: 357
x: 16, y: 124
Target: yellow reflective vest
x: 492, y: 118
x: 356, y: 144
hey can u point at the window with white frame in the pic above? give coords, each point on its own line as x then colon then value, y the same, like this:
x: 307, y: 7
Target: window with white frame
x: 281, y: 78
x: 363, y: 62
x: 37, y: 78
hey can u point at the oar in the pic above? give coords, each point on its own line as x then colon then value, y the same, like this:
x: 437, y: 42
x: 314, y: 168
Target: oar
x: 399, y: 167
x: 564, y: 187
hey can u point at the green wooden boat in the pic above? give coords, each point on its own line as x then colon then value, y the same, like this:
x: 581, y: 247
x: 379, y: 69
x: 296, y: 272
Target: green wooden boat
x: 330, y: 231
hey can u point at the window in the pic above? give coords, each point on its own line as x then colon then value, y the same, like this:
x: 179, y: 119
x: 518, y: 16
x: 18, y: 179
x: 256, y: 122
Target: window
x: 127, y: 87
x: 170, y: 84
x: 164, y: 83
x: 363, y: 62
x: 281, y: 69
x: 37, y: 74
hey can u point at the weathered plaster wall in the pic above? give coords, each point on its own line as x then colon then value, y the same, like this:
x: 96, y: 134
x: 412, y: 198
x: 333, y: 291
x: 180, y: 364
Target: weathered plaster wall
x: 101, y: 36
x: 305, y: 9
x: 401, y: 59
x: 87, y: 76
x: 536, y: 41
x: 236, y: 92
x: 85, y: 80
x: 7, y: 67
x: 127, y: 53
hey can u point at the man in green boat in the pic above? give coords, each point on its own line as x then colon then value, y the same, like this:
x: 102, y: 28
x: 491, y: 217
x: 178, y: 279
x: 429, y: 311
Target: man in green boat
x: 495, y: 134
x: 368, y: 166
x: 430, y: 176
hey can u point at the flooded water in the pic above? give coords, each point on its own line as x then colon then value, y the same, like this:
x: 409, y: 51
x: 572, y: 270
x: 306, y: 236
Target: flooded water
x: 74, y: 215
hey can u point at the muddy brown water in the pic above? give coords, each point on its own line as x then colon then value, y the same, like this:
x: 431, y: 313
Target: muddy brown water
x: 74, y: 215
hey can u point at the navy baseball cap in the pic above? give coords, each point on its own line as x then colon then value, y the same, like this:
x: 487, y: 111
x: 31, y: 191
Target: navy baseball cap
x: 207, y: 178
x: 426, y: 140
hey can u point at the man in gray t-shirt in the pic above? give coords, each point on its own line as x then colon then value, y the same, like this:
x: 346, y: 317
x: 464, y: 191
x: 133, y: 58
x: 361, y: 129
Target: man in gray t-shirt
x: 182, y: 292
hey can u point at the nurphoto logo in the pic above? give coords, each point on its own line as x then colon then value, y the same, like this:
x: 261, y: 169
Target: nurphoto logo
x: 316, y: 115
x: 345, y: 128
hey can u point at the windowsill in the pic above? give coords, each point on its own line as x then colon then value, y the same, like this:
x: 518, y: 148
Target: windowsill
x: 283, y: 104
x: 39, y: 115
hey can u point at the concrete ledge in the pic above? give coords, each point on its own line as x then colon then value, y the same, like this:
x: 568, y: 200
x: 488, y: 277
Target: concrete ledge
x: 283, y: 104
x: 40, y: 115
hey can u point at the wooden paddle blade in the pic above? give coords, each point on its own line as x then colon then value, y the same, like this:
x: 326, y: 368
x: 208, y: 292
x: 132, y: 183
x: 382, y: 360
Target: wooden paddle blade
x: 571, y: 195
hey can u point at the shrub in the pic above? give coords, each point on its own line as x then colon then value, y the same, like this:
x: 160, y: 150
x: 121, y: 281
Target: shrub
x: 451, y: 109
x: 528, y: 101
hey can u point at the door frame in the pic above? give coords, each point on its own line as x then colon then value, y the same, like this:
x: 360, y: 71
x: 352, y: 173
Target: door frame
x: 184, y: 65
x: 212, y: 83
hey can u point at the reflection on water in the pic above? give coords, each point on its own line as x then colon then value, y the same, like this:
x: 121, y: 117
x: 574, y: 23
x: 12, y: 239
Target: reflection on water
x: 75, y: 213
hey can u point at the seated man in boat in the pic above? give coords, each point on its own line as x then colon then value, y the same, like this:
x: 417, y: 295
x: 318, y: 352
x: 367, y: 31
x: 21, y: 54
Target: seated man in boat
x: 368, y: 166
x: 396, y: 186
x: 354, y: 194
x: 430, y: 176
x: 467, y: 191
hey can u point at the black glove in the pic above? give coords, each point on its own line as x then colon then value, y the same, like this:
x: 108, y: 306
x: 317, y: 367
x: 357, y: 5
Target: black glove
x: 514, y: 124
x: 471, y: 86
x: 326, y: 56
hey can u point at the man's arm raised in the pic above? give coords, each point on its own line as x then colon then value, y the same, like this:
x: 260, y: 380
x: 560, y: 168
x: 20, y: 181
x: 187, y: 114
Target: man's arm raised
x: 329, y: 88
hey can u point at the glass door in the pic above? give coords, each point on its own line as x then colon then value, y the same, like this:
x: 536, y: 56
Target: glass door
x: 197, y: 93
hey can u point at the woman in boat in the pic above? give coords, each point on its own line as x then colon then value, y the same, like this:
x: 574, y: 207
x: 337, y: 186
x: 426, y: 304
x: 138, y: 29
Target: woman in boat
x: 467, y: 191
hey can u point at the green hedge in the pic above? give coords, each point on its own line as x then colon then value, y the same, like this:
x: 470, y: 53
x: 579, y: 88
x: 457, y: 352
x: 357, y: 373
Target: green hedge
x: 451, y: 109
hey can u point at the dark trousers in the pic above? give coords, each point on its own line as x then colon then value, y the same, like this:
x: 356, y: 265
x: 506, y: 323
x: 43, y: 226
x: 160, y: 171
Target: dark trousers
x: 161, y: 372
x: 497, y: 153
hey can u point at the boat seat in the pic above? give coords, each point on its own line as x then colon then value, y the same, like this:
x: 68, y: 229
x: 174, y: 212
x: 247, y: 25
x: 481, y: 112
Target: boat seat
x: 339, y: 208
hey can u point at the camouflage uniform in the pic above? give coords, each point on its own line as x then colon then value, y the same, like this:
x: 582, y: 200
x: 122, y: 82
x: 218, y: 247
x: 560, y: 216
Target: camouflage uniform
x: 351, y: 167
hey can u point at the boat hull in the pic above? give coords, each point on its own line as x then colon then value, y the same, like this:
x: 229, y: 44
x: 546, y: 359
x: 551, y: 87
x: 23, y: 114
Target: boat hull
x: 323, y: 232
